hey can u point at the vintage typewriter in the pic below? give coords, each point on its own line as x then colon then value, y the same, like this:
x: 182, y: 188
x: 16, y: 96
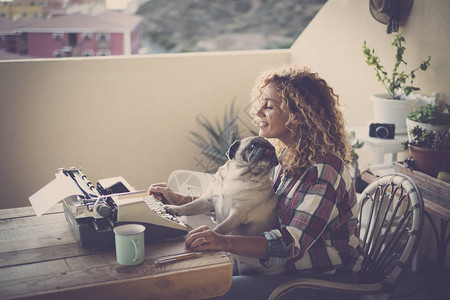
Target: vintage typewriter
x: 94, y: 213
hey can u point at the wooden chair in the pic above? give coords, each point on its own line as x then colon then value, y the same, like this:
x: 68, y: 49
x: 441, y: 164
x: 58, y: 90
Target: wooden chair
x: 391, y: 220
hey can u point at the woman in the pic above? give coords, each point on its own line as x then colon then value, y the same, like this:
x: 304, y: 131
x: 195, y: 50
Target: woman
x: 317, y: 205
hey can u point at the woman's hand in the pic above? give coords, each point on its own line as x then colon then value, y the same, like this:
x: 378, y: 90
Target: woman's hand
x: 164, y: 194
x: 203, y: 239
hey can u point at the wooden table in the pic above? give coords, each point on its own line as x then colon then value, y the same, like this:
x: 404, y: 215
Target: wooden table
x: 41, y: 259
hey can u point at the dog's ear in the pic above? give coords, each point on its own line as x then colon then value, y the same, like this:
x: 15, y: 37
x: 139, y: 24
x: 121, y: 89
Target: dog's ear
x: 233, y: 149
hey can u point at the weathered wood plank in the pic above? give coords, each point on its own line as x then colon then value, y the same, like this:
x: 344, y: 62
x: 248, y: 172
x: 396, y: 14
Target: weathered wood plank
x: 10, y: 213
x: 27, y: 211
x: 26, y: 222
x: 43, y: 254
x: 32, y: 270
x: 435, y: 192
x: 55, y: 275
x: 185, y: 284
x: 38, y: 236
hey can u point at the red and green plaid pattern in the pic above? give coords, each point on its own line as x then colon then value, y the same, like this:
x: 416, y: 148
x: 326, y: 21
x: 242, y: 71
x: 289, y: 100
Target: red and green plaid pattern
x: 318, y: 215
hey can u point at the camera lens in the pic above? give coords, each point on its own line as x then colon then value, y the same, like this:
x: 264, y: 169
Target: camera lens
x: 382, y: 132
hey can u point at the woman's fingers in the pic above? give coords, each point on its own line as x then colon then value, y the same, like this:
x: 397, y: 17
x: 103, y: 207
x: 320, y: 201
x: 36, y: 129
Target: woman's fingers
x: 196, y: 238
x: 198, y: 229
x: 203, y: 238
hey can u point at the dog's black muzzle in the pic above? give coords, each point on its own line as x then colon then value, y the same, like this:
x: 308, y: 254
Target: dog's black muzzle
x: 262, y: 150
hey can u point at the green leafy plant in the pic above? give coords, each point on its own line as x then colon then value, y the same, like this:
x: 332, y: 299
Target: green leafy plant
x: 430, y: 139
x: 354, y: 145
x: 396, y: 83
x: 431, y: 114
x: 219, y: 137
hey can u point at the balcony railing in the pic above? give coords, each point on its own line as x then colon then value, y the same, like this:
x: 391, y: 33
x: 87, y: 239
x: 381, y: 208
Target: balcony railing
x: 118, y: 115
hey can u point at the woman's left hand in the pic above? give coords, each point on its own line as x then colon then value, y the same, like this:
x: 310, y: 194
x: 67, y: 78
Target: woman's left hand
x: 203, y: 239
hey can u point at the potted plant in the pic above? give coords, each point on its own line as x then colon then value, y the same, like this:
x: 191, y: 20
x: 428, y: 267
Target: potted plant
x: 430, y: 150
x: 354, y: 166
x: 394, y: 106
x: 433, y: 117
x: 219, y: 138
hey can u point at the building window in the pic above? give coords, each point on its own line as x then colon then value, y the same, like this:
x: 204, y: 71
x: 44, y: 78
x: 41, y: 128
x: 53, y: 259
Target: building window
x: 24, y: 15
x: 103, y: 52
x: 88, y: 53
x: 36, y: 15
x: 102, y: 37
x: 58, y: 53
x: 57, y: 36
x: 86, y: 36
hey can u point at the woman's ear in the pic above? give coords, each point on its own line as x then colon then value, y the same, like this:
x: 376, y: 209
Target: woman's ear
x: 233, y: 149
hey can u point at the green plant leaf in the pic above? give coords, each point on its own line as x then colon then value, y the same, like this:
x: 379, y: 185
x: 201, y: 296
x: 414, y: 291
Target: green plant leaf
x: 219, y: 136
x: 395, y: 83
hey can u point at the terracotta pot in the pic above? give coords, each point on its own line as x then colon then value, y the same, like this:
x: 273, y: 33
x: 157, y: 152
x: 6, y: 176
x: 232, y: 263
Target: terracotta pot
x: 430, y: 161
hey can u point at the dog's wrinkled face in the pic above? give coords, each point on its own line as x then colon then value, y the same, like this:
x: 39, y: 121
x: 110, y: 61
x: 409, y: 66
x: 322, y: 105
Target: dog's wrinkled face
x: 255, y: 152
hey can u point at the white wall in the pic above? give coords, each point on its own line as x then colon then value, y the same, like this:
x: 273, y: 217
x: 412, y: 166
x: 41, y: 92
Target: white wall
x: 332, y: 46
x: 124, y: 116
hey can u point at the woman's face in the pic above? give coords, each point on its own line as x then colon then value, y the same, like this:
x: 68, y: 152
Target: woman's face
x: 272, y: 118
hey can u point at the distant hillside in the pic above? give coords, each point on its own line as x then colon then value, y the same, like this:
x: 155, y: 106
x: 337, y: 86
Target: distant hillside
x: 214, y: 25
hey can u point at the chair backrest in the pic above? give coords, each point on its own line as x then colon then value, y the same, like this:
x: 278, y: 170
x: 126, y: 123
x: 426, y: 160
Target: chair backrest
x: 391, y: 220
x: 189, y: 182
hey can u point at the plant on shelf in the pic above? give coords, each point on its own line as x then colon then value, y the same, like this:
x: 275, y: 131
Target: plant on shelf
x: 354, y: 145
x: 396, y: 83
x: 429, y: 117
x: 433, y: 114
x: 429, y: 139
x: 219, y: 138
x: 356, y: 174
x: 430, y: 150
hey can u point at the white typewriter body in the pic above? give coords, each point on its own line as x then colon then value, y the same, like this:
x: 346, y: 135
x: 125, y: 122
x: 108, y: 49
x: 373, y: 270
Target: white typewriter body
x: 92, y: 213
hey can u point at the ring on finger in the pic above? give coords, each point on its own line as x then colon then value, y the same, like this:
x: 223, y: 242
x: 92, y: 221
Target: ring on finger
x: 204, y: 240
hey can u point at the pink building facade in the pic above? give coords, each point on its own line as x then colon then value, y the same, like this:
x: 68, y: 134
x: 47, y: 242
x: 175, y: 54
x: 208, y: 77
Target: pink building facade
x: 109, y: 33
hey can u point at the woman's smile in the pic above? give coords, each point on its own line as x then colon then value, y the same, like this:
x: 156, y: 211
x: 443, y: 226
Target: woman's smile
x: 273, y: 119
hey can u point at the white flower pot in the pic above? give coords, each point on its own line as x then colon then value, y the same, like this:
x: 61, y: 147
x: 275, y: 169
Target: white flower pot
x: 388, y: 110
x: 410, y: 124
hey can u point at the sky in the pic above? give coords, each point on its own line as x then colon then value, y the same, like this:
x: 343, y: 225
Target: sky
x: 116, y: 4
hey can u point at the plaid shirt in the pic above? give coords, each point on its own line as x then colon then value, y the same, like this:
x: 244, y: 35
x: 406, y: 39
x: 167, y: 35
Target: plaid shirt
x: 318, y: 216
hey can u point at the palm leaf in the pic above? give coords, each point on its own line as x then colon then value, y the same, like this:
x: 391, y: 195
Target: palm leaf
x: 219, y: 136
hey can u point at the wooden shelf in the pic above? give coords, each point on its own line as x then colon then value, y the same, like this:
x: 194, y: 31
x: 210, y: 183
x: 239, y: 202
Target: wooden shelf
x: 435, y: 192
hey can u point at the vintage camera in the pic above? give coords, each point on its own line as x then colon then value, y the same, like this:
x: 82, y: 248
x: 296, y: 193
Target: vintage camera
x: 382, y: 130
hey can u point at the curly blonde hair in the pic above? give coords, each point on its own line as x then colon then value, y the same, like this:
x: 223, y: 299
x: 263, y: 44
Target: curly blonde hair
x: 315, y: 121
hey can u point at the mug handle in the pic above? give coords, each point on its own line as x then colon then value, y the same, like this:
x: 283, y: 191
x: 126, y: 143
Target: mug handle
x: 137, y: 250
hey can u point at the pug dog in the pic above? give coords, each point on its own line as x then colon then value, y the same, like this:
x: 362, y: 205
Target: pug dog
x: 241, y: 196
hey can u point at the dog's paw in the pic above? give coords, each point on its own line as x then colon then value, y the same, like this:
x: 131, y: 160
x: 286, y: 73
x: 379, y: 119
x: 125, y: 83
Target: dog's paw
x: 172, y: 209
